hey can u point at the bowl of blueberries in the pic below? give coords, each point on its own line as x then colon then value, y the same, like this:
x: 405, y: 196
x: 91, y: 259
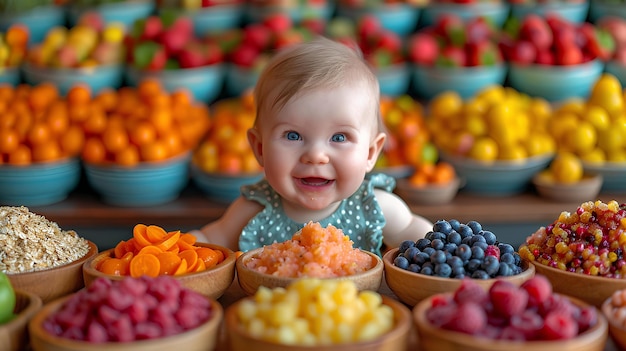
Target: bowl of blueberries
x: 452, y: 251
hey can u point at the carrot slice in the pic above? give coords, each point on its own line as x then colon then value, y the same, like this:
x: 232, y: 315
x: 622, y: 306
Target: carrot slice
x: 191, y: 256
x: 188, y: 238
x: 120, y: 249
x: 150, y: 249
x: 144, y: 265
x: 184, y: 245
x: 140, y: 235
x: 114, y: 266
x: 169, y: 241
x: 169, y: 262
x: 155, y: 233
x: 209, y: 256
x: 174, y: 249
x: 128, y: 256
x: 182, y: 268
x: 200, y: 266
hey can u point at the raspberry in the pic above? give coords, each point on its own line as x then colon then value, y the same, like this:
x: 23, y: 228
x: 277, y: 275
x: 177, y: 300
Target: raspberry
x: 441, y: 315
x: 470, y: 318
x: 469, y: 291
x: 507, y: 299
x: 539, y: 290
x: 493, y: 250
x: 558, y: 325
x: 529, y: 323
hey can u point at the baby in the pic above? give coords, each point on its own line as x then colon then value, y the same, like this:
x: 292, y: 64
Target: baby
x: 317, y: 134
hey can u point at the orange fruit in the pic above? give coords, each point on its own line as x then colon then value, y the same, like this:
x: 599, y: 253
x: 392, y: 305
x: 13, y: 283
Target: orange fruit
x: 93, y: 151
x: 229, y: 163
x: 58, y: 119
x: 149, y: 87
x: 39, y: 133
x: 115, y: 139
x: 444, y: 173
x: 154, y: 151
x: 9, y: 140
x: 47, y: 151
x: 72, y: 141
x: 96, y: 123
x: 142, y: 133
x: 20, y: 156
x: 128, y: 156
x: 79, y: 95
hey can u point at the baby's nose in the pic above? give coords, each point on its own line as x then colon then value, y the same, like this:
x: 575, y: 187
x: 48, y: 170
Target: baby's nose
x: 315, y: 154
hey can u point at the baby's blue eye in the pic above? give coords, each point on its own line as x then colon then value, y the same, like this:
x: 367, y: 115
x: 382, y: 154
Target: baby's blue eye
x: 338, y: 138
x: 292, y: 136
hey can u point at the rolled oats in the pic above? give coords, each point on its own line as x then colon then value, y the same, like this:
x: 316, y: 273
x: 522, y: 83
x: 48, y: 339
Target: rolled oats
x: 30, y: 242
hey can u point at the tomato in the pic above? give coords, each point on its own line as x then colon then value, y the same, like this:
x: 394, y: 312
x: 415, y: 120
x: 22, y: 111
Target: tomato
x: 7, y: 299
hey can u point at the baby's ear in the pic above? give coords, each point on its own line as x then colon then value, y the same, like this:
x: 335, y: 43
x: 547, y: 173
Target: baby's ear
x: 254, y: 139
x: 375, y: 148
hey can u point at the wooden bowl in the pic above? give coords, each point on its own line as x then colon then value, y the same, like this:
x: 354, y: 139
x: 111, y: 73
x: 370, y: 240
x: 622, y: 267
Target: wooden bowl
x: 584, y: 190
x: 432, y: 194
x: 593, y: 290
x: 212, y: 282
x: 411, y: 288
x: 13, y: 334
x: 50, y: 284
x: 250, y: 280
x: 616, y: 330
x: 201, y: 338
x: 395, y: 339
x: 432, y: 338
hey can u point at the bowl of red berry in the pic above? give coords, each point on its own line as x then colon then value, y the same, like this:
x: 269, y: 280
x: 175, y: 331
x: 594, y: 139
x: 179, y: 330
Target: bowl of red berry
x: 134, y: 314
x: 452, y: 251
x: 580, y: 251
x: 528, y: 317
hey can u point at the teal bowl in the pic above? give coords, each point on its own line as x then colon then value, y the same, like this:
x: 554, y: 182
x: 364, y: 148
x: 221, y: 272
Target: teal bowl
x: 602, y: 8
x: 498, y: 178
x: 613, y: 175
x: 204, y: 83
x: 223, y: 188
x: 97, y: 78
x: 555, y: 83
x: 497, y: 12
x: 394, y: 80
x: 618, y: 70
x: 216, y: 18
x: 575, y: 12
x: 239, y: 79
x: 38, y: 184
x: 256, y: 13
x: 429, y: 82
x: 399, y: 18
x: 10, y: 76
x: 125, y: 12
x: 147, y: 184
x: 39, y: 21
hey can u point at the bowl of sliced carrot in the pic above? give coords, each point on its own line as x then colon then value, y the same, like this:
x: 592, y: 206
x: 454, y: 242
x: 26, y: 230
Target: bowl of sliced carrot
x: 152, y: 251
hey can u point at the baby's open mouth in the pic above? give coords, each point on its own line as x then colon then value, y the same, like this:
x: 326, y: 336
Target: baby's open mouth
x: 315, y: 181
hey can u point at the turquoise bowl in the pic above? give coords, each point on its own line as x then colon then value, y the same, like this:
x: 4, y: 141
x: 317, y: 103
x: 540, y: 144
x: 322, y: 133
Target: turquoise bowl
x: 125, y: 12
x: 399, y: 18
x: 555, y: 83
x: 601, y: 8
x: 616, y: 69
x: 38, y: 184
x: 10, y: 76
x: 239, y: 79
x: 394, y: 80
x: 223, y: 188
x: 429, y: 82
x: 496, y: 12
x: 575, y: 12
x: 39, y: 21
x: 97, y: 78
x: 147, y: 184
x: 204, y: 83
x: 498, y: 178
x: 256, y: 13
x: 613, y: 175
x: 216, y: 18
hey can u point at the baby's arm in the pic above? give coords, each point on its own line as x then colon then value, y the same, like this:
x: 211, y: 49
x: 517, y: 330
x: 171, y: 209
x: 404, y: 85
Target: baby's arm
x: 402, y: 224
x: 225, y: 231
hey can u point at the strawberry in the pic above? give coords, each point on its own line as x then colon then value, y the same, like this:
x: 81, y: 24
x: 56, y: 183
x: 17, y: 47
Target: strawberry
x: 536, y: 30
x: 598, y: 42
x: 523, y: 53
x: 244, y: 55
x: 452, y: 28
x: 569, y: 55
x: 423, y: 49
x: 451, y: 56
x: 147, y: 29
x: 484, y: 53
x: 192, y: 55
x: 258, y: 35
x: 278, y: 22
x: 478, y: 30
x: 367, y: 26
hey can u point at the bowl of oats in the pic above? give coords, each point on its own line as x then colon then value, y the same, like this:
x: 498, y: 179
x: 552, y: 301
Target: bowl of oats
x: 38, y: 256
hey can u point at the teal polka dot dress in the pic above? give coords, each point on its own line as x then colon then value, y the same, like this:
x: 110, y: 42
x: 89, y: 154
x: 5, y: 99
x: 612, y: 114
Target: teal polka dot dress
x: 359, y: 216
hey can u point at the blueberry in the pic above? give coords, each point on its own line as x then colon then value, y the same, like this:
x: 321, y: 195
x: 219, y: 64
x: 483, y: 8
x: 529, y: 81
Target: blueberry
x: 465, y: 230
x: 401, y: 262
x: 415, y: 268
x: 467, y: 240
x: 422, y: 257
x: 422, y: 243
x: 478, y: 253
x: 437, y: 244
x: 490, y: 237
x: 506, y: 248
x: 457, y: 272
x: 449, y: 247
x: 405, y: 245
x: 480, y: 274
x: 464, y: 252
x: 438, y: 257
x: 429, y: 250
x: 454, y: 262
x: 505, y: 270
x: 443, y: 270
x: 442, y: 226
x: 473, y: 265
x: 454, y: 237
x: 507, y: 258
x: 429, y: 235
x: 427, y: 269
x: 475, y: 226
x: 410, y: 253
x: 478, y: 238
x: 491, y: 265
x: 454, y: 224
x: 458, y: 276
x: 518, y: 259
x: 481, y: 244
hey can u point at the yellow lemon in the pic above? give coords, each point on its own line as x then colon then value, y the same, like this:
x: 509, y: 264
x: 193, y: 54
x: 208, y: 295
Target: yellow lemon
x: 562, y: 124
x: 475, y: 106
x: 595, y: 155
x: 574, y: 105
x: 540, y: 107
x: 484, y: 149
x: 566, y: 168
x: 492, y: 94
x: 607, y: 93
x: 582, y: 138
x: 597, y: 116
x: 514, y: 152
x: 610, y: 140
x: 616, y: 156
x: 475, y: 124
x: 446, y: 104
x: 539, y: 144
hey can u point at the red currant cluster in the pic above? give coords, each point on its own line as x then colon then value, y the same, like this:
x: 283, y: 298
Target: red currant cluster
x: 591, y: 241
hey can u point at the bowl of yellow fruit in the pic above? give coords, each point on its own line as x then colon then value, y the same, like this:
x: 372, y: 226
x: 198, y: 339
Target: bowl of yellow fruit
x: 565, y: 181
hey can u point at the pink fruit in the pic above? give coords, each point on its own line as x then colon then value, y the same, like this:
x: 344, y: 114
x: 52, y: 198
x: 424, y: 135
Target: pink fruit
x: 469, y: 318
x: 559, y: 325
x: 367, y: 26
x: 258, y: 35
x: 469, y: 291
x: 535, y: 29
x: 493, y: 250
x: 173, y: 40
x: 244, y: 55
x: 545, y: 57
x: 507, y: 299
x: 388, y: 40
x: 523, y: 53
x: 92, y: 19
x: 478, y: 30
x: 452, y: 56
x: 423, y: 49
x: 192, y: 56
x: 278, y: 22
x: 569, y: 55
x: 539, y: 290
x: 67, y: 56
x: 151, y: 29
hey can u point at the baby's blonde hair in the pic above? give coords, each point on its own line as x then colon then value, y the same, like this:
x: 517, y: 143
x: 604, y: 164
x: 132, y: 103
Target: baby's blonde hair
x: 318, y: 64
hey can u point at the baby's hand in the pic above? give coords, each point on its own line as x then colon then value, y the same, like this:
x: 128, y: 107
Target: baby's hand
x: 200, y: 237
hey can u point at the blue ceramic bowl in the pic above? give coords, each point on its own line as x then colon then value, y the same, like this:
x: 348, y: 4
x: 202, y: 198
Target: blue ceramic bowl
x: 204, y: 83
x: 601, y: 8
x: 496, y: 12
x: 256, y: 13
x: 10, y: 75
x: 147, y: 184
x: 239, y: 79
x: 613, y: 175
x: 216, y: 18
x: 97, y: 78
x: 616, y: 69
x: 571, y: 11
x: 38, y: 184
x: 429, y: 82
x: 399, y: 18
x: 394, y: 80
x: 126, y: 12
x: 222, y: 188
x: 555, y: 83
x: 498, y: 178
x: 39, y: 21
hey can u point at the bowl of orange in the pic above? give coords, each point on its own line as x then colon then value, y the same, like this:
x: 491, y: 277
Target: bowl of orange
x: 206, y: 268
x: 430, y: 184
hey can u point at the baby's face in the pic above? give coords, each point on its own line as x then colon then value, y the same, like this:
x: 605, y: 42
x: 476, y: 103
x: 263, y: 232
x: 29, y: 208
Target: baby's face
x: 317, y: 149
